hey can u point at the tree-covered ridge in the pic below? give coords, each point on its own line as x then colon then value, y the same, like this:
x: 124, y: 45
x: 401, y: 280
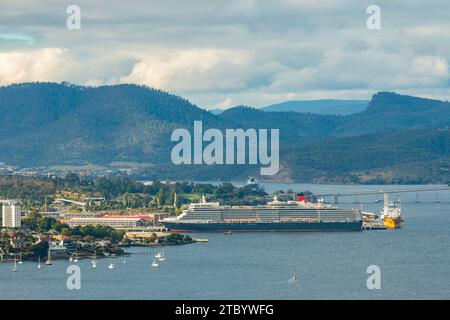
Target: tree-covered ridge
x: 122, y: 193
x: 54, y: 124
x: 45, y: 123
x: 422, y: 156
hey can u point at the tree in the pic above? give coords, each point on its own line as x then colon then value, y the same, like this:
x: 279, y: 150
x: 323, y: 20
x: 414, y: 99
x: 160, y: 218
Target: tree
x: 40, y: 249
x: 161, y: 197
x: 66, y: 232
x: 72, y: 180
x: 59, y: 226
x: 46, y: 223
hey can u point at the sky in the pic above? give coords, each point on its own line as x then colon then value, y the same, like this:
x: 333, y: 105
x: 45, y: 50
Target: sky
x: 220, y: 53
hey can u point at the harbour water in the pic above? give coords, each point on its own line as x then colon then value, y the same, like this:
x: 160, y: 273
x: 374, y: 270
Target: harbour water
x: 414, y: 262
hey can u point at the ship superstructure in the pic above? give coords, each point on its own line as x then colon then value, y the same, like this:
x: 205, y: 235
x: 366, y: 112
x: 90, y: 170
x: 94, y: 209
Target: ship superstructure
x: 392, y: 213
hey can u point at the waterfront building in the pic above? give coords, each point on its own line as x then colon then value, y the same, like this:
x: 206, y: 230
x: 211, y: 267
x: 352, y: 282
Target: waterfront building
x: 11, y: 215
x: 70, y: 245
x: 144, y: 235
x: 18, y: 243
x: 109, y: 221
x: 58, y: 251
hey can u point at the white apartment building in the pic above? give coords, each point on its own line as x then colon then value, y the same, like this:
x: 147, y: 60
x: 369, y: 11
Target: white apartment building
x: 11, y: 217
x: 111, y: 221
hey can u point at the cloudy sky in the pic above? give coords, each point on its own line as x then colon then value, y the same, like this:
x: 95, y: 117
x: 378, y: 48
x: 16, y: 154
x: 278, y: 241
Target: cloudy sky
x: 223, y: 53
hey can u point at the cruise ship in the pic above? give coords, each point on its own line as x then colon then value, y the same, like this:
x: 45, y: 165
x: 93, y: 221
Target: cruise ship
x: 298, y: 215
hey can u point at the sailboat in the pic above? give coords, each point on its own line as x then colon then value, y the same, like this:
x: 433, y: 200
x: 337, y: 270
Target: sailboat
x: 294, y: 277
x: 75, y: 258
x: 155, y: 264
x: 158, y: 255
x: 39, y: 262
x: 49, y: 259
x: 111, y: 266
x: 15, y: 265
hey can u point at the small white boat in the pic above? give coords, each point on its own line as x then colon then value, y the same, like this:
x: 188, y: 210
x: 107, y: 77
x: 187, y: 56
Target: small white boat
x: 94, y: 264
x: 158, y: 255
x: 155, y: 264
x: 75, y: 260
x: 294, y: 278
x: 49, y: 259
x: 124, y: 261
x: 111, y: 266
x: 251, y: 181
x: 71, y: 259
x: 162, y: 256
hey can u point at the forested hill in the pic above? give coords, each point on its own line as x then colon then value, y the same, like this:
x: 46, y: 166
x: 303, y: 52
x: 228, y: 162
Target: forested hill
x: 389, y: 111
x: 53, y: 124
x: 48, y: 123
x: 386, y: 112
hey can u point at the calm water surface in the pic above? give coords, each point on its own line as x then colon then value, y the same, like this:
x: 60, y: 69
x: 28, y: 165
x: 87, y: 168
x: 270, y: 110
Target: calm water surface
x: 414, y: 262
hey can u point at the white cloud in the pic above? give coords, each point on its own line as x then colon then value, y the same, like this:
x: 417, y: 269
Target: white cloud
x: 228, y: 102
x: 191, y: 70
x: 430, y: 67
x: 47, y: 64
x: 251, y: 51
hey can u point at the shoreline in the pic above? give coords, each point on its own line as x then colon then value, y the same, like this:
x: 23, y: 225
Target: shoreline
x: 116, y: 255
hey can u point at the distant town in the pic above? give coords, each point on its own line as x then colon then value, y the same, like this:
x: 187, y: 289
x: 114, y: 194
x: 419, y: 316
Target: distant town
x: 53, y: 216
x: 113, y: 169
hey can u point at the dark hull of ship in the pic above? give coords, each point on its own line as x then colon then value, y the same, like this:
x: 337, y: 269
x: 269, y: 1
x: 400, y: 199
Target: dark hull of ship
x: 271, y: 226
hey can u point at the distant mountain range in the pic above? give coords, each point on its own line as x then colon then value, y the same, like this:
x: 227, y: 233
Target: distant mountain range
x: 325, y: 106
x: 397, y: 138
x: 322, y: 106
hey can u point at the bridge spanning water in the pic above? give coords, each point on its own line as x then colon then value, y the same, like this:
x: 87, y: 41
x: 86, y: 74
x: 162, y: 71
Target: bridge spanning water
x: 336, y: 196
